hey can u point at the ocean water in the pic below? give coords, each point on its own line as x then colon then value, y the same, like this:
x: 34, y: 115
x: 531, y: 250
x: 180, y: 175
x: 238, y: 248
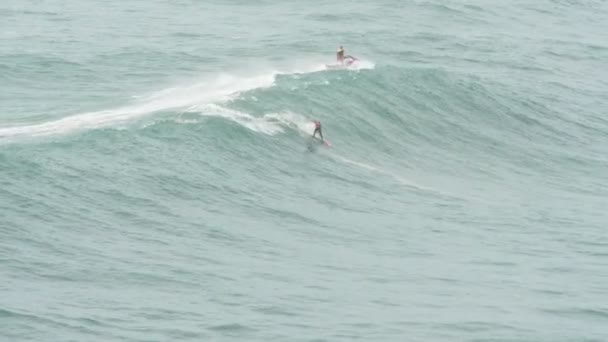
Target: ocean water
x: 158, y: 181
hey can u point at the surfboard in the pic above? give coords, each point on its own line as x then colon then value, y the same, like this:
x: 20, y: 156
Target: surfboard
x: 325, y: 142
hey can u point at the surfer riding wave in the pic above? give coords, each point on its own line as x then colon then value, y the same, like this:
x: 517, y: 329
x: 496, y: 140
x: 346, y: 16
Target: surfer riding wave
x: 314, y: 136
x: 317, y: 130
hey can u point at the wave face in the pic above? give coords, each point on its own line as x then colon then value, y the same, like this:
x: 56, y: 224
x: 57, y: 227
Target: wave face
x: 158, y: 179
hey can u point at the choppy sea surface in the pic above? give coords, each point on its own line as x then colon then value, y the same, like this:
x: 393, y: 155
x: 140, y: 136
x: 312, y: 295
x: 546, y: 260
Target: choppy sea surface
x: 158, y: 181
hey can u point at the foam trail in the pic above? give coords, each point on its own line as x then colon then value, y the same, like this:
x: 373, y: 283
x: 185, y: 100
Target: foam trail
x: 360, y: 65
x: 173, y: 98
x: 222, y: 88
x: 271, y: 123
x: 256, y: 124
x: 303, y: 68
x: 364, y: 65
x: 303, y: 125
x: 399, y: 179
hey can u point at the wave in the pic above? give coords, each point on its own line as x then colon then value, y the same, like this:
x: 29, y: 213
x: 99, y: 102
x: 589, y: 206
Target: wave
x: 269, y: 123
x: 171, y: 98
x: 197, y: 95
x: 257, y: 124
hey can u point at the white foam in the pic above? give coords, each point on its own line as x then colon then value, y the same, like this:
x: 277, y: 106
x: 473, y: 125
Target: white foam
x: 302, y: 124
x: 359, y: 65
x: 218, y: 89
x: 185, y: 121
x: 270, y: 123
x: 256, y: 124
x: 364, y: 64
x: 215, y: 90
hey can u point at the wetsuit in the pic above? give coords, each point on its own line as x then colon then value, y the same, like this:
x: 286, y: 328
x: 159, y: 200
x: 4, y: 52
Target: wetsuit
x: 317, y: 129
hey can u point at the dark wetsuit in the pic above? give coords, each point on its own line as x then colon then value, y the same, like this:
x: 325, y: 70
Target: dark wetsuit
x: 317, y: 129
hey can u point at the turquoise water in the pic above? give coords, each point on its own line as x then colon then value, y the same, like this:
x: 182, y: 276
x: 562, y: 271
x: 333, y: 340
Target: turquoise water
x: 158, y: 181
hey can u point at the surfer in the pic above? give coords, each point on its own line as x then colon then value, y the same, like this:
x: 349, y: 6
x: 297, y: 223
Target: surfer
x: 318, y: 129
